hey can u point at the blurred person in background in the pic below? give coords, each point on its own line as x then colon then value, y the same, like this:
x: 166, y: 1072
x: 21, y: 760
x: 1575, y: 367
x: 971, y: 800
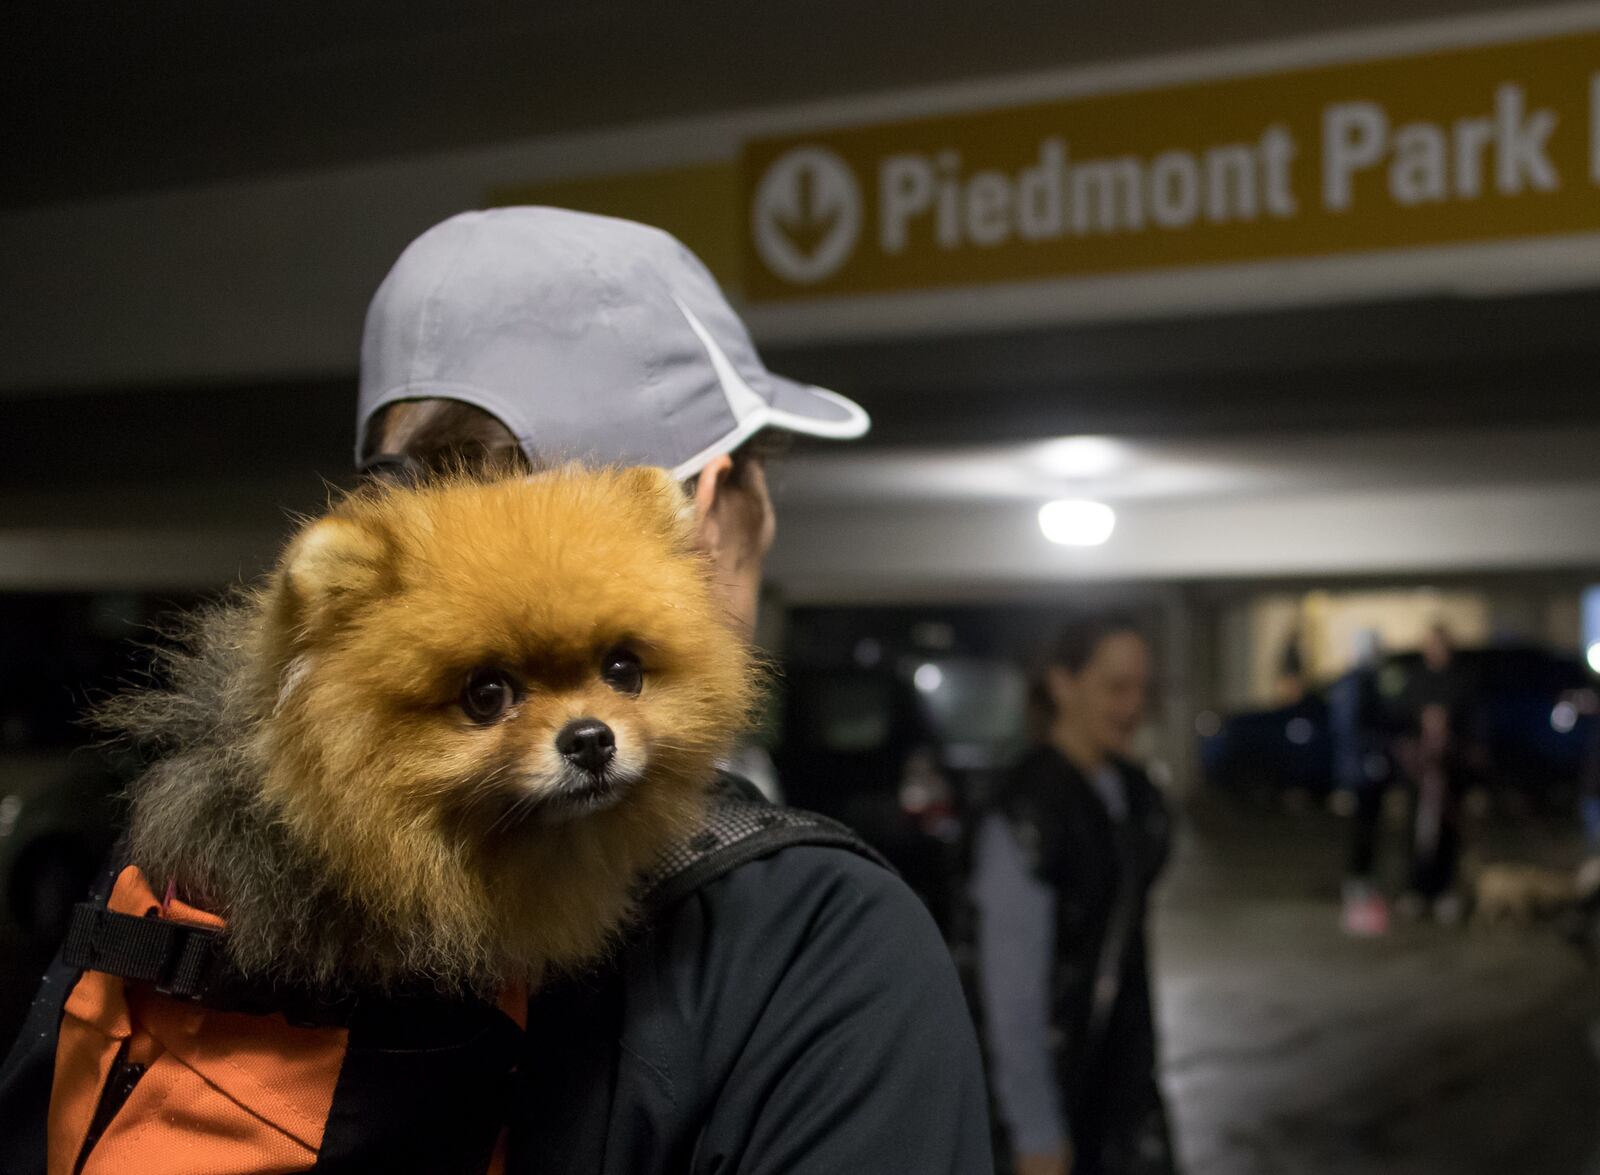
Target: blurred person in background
x: 1363, y: 768
x: 1439, y: 706
x: 1289, y: 687
x: 1062, y: 872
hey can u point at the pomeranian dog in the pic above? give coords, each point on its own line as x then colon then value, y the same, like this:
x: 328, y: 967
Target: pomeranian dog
x: 444, y: 738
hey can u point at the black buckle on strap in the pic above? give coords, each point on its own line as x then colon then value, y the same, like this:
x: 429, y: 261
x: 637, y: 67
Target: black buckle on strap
x: 188, y: 963
x: 181, y: 961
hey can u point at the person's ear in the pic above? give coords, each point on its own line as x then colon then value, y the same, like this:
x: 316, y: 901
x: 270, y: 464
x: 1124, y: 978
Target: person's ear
x: 709, y: 521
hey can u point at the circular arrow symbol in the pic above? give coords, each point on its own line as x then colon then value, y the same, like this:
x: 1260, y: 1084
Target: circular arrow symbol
x: 806, y: 215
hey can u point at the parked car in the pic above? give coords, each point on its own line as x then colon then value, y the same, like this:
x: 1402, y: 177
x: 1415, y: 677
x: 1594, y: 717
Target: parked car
x: 1533, y: 732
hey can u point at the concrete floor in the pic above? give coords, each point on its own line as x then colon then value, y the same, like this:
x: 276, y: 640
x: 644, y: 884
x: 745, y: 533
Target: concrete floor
x: 1290, y: 1048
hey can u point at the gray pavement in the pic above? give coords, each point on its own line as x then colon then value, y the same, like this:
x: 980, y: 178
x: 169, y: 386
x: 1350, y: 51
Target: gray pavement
x: 1290, y: 1048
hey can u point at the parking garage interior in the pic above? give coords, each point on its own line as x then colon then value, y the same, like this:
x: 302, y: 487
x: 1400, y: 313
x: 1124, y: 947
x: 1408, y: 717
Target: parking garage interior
x: 1294, y: 451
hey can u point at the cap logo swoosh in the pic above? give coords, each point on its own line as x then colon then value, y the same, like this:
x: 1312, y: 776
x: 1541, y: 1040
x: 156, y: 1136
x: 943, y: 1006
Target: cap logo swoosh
x: 742, y: 398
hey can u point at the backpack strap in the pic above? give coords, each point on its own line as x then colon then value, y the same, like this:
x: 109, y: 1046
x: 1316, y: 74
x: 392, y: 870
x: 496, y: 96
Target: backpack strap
x: 180, y: 960
x: 186, y: 962
x: 741, y: 826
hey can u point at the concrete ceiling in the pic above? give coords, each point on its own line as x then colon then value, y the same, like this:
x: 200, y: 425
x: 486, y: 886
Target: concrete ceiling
x: 963, y: 522
x: 1412, y: 363
x: 960, y: 521
x: 1147, y: 470
x: 103, y: 98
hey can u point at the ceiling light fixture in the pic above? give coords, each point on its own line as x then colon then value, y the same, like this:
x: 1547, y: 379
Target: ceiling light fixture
x: 1077, y: 522
x: 1080, y: 456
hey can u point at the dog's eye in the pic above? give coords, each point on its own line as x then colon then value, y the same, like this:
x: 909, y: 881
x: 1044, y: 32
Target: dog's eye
x: 488, y: 695
x: 620, y: 669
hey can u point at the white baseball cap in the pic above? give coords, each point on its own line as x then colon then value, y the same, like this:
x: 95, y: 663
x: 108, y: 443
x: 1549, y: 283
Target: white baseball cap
x: 590, y: 338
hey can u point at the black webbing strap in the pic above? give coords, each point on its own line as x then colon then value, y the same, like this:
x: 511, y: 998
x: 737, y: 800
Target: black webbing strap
x: 181, y: 961
x: 187, y: 962
x: 741, y: 827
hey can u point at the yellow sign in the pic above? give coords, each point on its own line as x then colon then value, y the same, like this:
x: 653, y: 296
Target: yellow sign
x: 1468, y: 145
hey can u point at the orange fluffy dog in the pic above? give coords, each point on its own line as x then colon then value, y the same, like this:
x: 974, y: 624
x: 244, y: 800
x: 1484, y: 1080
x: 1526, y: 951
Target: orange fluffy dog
x: 447, y: 736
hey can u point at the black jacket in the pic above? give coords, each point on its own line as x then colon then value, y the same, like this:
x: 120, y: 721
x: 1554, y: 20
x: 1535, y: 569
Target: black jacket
x: 797, y: 1015
x: 1108, y: 1077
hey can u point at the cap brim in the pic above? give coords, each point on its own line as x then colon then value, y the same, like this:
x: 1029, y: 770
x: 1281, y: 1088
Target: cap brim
x: 794, y: 407
x: 815, y: 412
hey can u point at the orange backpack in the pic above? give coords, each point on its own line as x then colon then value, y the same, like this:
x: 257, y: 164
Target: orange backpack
x: 165, y: 1066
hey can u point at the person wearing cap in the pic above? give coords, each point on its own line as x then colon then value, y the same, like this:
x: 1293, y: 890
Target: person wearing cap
x: 791, y: 1012
x: 800, y: 1013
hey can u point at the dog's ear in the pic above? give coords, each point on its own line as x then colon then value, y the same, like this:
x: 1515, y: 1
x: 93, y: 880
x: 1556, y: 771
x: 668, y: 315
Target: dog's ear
x: 665, y: 503
x: 332, y: 566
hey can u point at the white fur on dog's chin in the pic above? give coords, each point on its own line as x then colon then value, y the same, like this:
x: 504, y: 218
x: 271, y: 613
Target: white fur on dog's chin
x: 557, y: 807
x: 550, y: 775
x: 559, y: 812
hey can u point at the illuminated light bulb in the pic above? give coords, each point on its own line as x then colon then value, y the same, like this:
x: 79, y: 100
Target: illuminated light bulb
x: 1077, y: 522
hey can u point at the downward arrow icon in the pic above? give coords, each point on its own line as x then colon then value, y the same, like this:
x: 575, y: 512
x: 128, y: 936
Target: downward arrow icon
x: 808, y: 225
x: 807, y: 215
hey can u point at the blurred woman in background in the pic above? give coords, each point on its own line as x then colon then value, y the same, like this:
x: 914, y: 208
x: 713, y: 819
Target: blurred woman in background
x: 1062, y: 873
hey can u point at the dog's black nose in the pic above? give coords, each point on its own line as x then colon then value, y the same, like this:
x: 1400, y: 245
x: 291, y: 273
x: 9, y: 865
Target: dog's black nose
x: 588, y: 742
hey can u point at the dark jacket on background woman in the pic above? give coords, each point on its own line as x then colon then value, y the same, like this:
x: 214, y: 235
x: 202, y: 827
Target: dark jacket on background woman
x: 1062, y: 878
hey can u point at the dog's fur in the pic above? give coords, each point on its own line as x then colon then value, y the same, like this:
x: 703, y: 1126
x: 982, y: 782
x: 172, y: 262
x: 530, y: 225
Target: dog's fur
x: 319, y: 785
